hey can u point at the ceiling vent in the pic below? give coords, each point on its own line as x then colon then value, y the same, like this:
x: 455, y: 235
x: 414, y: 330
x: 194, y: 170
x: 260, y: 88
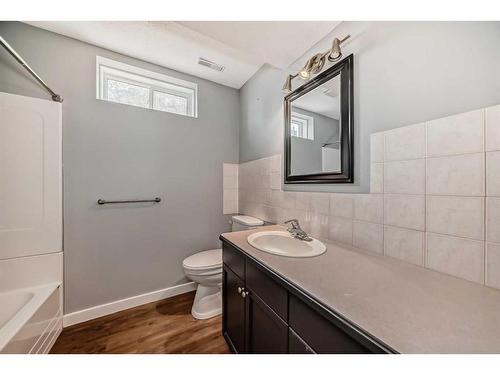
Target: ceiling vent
x: 332, y: 93
x: 211, y: 64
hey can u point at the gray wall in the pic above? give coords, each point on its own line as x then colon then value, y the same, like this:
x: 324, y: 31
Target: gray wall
x: 307, y: 155
x: 118, y: 151
x: 404, y: 73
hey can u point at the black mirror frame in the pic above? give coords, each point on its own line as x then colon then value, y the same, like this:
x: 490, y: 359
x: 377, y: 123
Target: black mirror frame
x: 346, y: 174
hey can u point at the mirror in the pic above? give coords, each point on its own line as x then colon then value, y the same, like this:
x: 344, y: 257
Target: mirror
x: 319, y: 128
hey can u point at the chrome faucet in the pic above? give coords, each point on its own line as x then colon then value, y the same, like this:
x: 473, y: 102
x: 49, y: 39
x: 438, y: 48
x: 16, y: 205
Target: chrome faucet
x: 297, y: 231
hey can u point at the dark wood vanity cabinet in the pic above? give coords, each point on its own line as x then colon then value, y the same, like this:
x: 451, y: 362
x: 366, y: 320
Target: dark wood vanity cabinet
x: 266, y: 332
x: 263, y: 313
x: 234, y: 307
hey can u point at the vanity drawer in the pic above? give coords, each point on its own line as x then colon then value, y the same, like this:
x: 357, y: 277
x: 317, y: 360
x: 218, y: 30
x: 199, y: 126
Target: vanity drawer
x: 268, y: 290
x: 320, y: 333
x: 234, y: 259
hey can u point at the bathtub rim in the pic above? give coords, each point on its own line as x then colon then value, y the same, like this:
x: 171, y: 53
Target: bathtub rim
x: 22, y: 317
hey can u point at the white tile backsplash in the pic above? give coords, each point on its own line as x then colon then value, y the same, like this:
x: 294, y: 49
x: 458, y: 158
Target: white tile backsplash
x: 493, y: 173
x: 340, y: 229
x: 493, y: 128
x: 230, y: 207
x: 456, y: 175
x: 455, y: 135
x: 457, y: 216
x: 320, y: 203
x: 275, y: 180
x: 230, y: 169
x: 319, y: 225
x: 406, y: 211
x: 368, y: 236
x: 404, y: 244
x: 456, y: 256
x: 283, y: 199
x: 404, y: 177
x: 377, y: 148
x: 230, y: 190
x: 275, y: 163
x: 369, y: 207
x: 303, y: 201
x: 230, y: 182
x: 231, y: 194
x: 377, y: 178
x: 493, y: 265
x: 493, y: 219
x: 405, y: 143
x: 342, y: 205
x: 434, y: 197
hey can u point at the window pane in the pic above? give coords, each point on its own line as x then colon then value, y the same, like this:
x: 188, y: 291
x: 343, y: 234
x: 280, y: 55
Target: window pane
x: 295, y: 129
x: 302, y: 127
x: 126, y: 93
x: 170, y: 103
x: 127, y: 84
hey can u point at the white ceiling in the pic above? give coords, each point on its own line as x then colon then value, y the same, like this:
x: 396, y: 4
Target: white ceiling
x: 273, y: 42
x: 242, y: 47
x: 318, y: 101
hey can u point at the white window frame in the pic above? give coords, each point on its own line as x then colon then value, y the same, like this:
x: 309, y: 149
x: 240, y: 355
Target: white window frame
x: 307, y: 124
x: 115, y: 70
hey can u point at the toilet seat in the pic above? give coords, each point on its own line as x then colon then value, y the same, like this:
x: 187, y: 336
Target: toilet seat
x: 204, y: 261
x: 203, y: 272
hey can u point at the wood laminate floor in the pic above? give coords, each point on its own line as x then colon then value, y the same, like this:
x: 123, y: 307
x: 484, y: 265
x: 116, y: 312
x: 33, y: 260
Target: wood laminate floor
x: 166, y: 326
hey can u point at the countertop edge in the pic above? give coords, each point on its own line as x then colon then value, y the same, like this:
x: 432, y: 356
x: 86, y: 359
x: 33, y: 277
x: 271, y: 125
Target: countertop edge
x: 359, y: 330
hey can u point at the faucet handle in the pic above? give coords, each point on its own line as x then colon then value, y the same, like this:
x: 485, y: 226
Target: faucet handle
x: 294, y: 222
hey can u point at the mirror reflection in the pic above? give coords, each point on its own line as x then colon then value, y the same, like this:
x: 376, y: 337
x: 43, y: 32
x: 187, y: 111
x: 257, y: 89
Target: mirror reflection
x: 315, y: 130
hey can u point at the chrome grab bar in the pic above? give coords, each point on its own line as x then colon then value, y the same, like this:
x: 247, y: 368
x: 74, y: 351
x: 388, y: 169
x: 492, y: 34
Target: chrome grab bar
x: 20, y: 60
x: 155, y: 200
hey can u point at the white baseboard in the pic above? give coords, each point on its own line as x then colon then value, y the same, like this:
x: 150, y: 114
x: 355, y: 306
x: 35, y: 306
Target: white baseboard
x: 126, y: 303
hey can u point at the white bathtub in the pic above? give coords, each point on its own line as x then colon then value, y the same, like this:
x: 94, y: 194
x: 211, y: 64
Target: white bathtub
x: 30, y: 319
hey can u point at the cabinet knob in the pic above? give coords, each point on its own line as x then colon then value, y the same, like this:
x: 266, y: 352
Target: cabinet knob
x: 244, y: 294
x: 240, y: 289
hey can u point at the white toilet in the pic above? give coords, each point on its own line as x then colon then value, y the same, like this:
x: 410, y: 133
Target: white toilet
x: 205, y: 269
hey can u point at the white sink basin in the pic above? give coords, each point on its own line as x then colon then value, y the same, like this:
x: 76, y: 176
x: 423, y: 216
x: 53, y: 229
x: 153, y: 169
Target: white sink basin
x: 282, y: 243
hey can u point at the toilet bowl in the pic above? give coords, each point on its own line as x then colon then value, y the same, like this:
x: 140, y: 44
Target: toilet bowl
x: 205, y: 269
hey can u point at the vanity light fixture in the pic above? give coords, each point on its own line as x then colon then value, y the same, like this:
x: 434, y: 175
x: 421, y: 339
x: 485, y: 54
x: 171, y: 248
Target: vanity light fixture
x: 336, y: 52
x: 287, y: 87
x: 316, y: 63
x: 305, y: 73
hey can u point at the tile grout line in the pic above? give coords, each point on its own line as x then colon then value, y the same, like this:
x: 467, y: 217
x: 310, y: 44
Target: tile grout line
x: 455, y: 236
x: 485, y: 171
x: 424, y: 250
x: 383, y: 192
x: 383, y: 204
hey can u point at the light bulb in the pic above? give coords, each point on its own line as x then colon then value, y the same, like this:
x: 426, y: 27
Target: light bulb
x: 335, y: 52
x: 305, y: 75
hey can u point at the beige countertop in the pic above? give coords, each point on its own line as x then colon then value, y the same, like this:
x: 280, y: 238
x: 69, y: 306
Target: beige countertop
x: 411, y: 309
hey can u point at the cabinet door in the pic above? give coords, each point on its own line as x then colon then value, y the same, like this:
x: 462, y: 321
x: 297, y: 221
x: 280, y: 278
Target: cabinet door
x: 296, y: 345
x: 233, y: 319
x: 266, y: 332
x: 30, y: 176
x: 323, y: 335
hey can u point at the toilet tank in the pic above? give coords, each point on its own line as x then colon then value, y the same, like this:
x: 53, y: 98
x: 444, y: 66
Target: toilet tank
x: 243, y: 222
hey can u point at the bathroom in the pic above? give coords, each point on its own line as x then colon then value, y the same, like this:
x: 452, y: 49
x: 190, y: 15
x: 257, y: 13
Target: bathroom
x: 249, y: 187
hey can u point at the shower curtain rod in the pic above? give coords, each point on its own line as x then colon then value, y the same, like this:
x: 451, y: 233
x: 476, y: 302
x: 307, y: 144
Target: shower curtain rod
x: 20, y: 60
